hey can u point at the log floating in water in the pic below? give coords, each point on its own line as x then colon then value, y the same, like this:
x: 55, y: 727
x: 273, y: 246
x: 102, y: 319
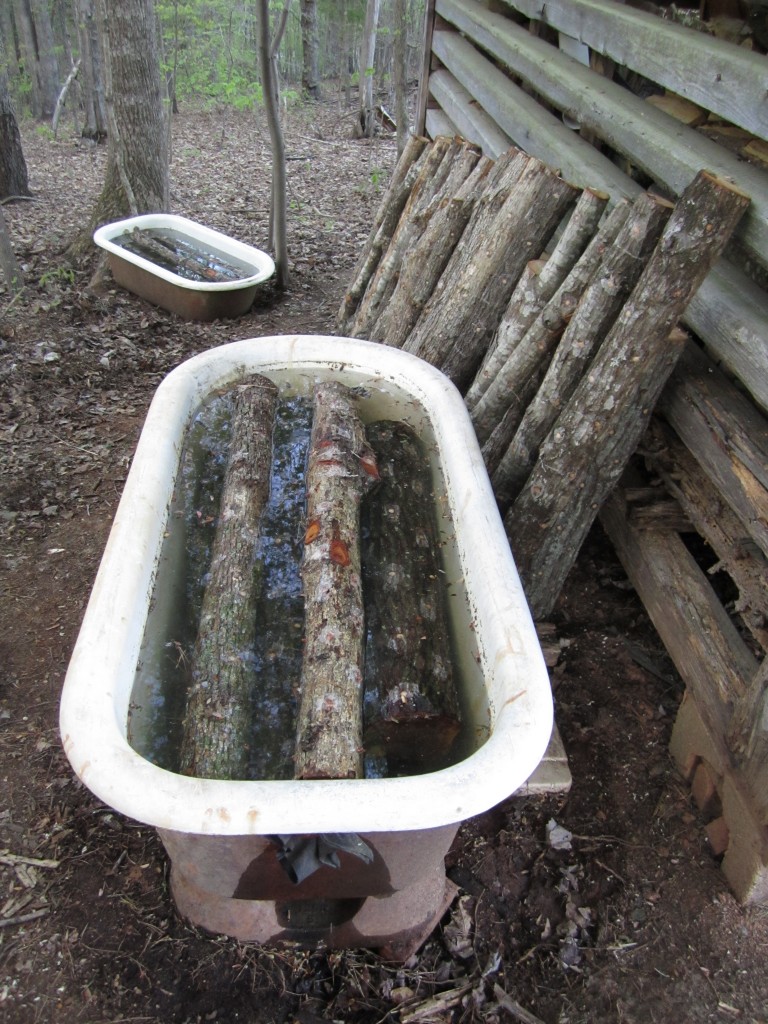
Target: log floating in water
x: 217, y: 724
x: 411, y: 716
x: 599, y: 428
x: 340, y: 468
x: 165, y: 251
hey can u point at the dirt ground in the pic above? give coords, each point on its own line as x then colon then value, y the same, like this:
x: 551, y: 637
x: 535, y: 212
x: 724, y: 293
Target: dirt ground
x: 633, y: 923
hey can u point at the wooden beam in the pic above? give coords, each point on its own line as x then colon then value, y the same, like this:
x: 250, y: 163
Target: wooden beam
x: 526, y: 122
x: 426, y: 55
x: 468, y: 117
x: 707, y: 650
x: 730, y: 313
x: 710, y: 515
x: 726, y: 434
x: 724, y: 78
x: 667, y: 151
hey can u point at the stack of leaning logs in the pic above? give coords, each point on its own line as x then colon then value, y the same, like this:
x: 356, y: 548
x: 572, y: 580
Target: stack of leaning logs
x: 553, y: 309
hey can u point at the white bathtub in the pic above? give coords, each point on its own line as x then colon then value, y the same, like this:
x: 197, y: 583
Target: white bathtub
x: 193, y: 300
x: 215, y: 830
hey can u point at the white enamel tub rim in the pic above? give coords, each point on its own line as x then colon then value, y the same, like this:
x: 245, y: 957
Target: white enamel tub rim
x: 262, y: 262
x: 97, y: 688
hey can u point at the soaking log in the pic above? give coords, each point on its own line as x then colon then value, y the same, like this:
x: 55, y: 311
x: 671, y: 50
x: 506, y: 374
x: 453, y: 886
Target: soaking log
x: 411, y: 705
x: 217, y: 723
x: 161, y: 250
x: 598, y: 430
x: 340, y: 468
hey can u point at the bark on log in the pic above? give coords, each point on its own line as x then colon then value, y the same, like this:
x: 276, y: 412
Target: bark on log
x: 522, y: 356
x: 340, y: 467
x: 598, y: 430
x: 447, y: 159
x: 426, y: 261
x: 458, y: 323
x: 536, y: 288
x: 598, y: 307
x: 411, y: 716
x: 217, y: 723
x: 502, y: 177
x: 384, y: 223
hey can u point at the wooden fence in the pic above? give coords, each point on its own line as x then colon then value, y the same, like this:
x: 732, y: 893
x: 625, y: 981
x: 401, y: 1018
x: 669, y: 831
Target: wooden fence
x: 622, y: 100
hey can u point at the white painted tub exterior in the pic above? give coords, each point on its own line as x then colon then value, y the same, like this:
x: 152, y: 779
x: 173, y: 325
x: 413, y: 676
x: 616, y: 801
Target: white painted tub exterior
x: 194, y: 300
x: 97, y: 689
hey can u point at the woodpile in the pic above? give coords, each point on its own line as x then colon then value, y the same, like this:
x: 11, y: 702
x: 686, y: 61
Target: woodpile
x: 556, y: 319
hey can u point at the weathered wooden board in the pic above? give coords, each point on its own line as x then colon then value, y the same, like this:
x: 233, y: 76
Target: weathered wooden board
x: 669, y: 152
x: 710, y: 655
x: 466, y: 116
x: 713, y: 519
x: 709, y: 72
x: 727, y: 435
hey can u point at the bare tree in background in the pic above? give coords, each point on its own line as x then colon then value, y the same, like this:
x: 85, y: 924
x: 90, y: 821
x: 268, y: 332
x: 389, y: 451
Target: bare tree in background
x: 268, y: 61
x: 367, y: 54
x: 400, y: 18
x: 310, y: 75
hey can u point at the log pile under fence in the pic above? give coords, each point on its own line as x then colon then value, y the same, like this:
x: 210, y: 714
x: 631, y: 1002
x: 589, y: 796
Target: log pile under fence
x: 556, y: 320
x: 565, y: 350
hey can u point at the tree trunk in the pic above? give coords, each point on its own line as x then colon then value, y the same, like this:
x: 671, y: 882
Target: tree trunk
x: 92, y: 77
x: 340, y: 466
x: 537, y: 285
x: 514, y: 383
x: 46, y: 59
x: 589, y: 445
x: 598, y: 307
x: 278, y: 212
x: 136, y: 179
x: 456, y: 327
x: 411, y: 705
x: 217, y: 724
x: 425, y: 263
x: 366, y: 69
x: 310, y: 77
x: 9, y: 266
x: 13, y: 167
x: 399, y: 17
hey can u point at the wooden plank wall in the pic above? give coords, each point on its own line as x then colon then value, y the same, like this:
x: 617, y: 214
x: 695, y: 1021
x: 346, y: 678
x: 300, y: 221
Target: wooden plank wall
x: 621, y: 99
